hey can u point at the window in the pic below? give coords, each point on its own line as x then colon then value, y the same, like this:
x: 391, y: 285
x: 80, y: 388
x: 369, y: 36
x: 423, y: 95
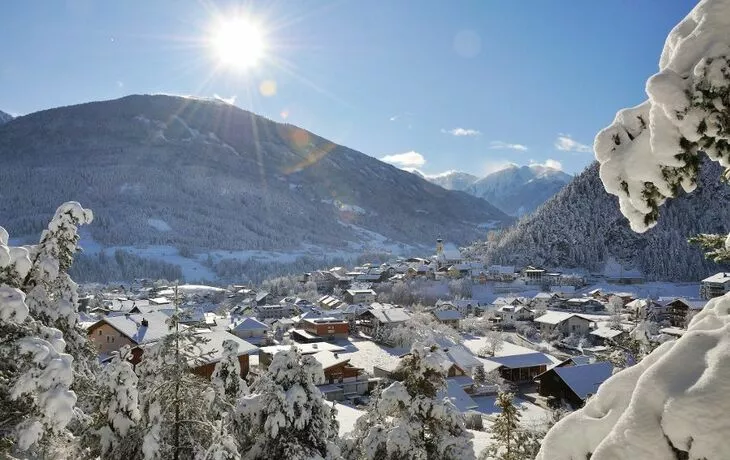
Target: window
x: 99, y: 331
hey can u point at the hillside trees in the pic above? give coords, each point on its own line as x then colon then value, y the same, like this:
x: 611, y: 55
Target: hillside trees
x: 673, y: 404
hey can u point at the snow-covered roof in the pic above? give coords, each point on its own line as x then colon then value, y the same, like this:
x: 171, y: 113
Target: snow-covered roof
x: 360, y: 291
x: 519, y: 361
x: 557, y: 317
x: 606, y: 332
x: 212, y: 350
x: 584, y: 380
x: 304, y: 348
x: 390, y: 315
x: 691, y: 304
x: 131, y: 326
x: 502, y: 269
x: 544, y: 295
x: 464, y: 358
x: 447, y: 315
x: 329, y: 359
x: 721, y: 278
x: 261, y: 295
x: 637, y: 304
x: 250, y: 324
x: 456, y: 394
x: 304, y: 334
x: 160, y: 301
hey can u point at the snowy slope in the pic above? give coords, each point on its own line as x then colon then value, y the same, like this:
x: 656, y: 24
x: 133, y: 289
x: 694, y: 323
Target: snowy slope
x: 516, y: 190
x: 582, y: 227
x: 201, y: 175
x: 519, y: 190
x: 453, y: 180
x: 5, y: 117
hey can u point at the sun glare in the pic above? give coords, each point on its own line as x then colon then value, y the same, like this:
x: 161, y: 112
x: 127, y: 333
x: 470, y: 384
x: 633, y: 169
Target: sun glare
x: 238, y: 43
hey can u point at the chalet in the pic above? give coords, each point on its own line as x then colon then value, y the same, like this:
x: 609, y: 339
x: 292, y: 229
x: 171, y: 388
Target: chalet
x: 678, y: 308
x: 501, y: 272
x: 210, y: 351
x: 544, y: 300
x: 514, y: 301
x: 250, y: 329
x: 463, y: 358
x: 565, y: 323
x: 342, y: 380
x: 573, y: 384
x: 262, y: 298
x: 510, y: 313
x: 464, y: 306
x: 326, y: 328
x: 603, y: 335
x: 351, y: 312
x: 359, y: 296
x: 448, y: 317
x: 584, y: 305
x: 521, y: 368
x: 113, y: 332
x: 715, y: 286
x: 325, y: 280
x: 376, y: 318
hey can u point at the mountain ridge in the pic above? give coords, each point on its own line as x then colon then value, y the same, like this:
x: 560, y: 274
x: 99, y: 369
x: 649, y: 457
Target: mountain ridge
x: 515, y: 190
x: 203, y: 174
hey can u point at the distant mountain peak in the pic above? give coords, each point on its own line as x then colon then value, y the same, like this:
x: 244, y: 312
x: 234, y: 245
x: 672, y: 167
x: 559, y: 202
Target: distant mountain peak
x: 5, y: 117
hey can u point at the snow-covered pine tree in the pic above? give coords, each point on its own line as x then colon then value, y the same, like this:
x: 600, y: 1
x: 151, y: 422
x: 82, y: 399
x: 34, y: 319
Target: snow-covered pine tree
x: 409, y: 418
x: 226, y: 379
x: 285, y: 416
x: 479, y: 376
x: 673, y: 404
x: 35, y: 373
x: 174, y: 422
x: 120, y: 411
x: 52, y: 294
x: 506, y: 442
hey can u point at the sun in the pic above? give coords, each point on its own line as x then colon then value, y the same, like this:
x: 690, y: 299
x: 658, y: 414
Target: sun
x: 238, y: 43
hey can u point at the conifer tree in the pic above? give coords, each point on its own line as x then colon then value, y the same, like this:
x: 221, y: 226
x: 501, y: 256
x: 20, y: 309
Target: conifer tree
x: 505, y: 431
x: 285, y: 416
x: 410, y: 418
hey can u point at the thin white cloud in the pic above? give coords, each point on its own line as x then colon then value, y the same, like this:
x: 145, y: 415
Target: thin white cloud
x: 566, y: 143
x: 460, y: 132
x: 405, y: 160
x: 500, y: 145
x: 549, y: 163
x: 228, y: 100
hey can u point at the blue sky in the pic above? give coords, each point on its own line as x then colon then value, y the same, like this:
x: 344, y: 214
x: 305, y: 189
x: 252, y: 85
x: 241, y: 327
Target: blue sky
x: 465, y: 85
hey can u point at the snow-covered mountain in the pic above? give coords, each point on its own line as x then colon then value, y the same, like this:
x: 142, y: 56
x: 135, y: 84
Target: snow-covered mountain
x: 5, y: 117
x: 582, y: 227
x: 204, y: 175
x: 516, y: 190
x: 454, y: 180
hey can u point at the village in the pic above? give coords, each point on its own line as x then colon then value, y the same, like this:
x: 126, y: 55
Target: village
x: 553, y: 348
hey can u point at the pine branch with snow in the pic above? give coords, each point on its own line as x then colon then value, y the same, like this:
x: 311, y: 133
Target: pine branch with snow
x: 226, y: 379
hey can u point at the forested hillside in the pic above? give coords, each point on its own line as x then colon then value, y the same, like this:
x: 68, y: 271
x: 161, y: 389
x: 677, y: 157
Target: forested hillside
x: 202, y: 174
x: 582, y: 227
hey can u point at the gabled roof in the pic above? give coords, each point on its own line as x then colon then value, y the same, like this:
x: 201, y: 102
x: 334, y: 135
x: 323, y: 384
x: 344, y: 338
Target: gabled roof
x: 461, y: 356
x: 691, y: 304
x: 329, y: 359
x: 606, y: 333
x: 212, y: 350
x: 250, y: 324
x: 261, y: 295
x: 722, y: 278
x: 131, y: 326
x: 447, y: 315
x: 557, y: 317
x: 520, y: 361
x: 584, y: 380
x: 390, y: 315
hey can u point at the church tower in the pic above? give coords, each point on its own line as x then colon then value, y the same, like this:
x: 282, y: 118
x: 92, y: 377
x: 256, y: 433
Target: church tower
x: 439, y: 247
